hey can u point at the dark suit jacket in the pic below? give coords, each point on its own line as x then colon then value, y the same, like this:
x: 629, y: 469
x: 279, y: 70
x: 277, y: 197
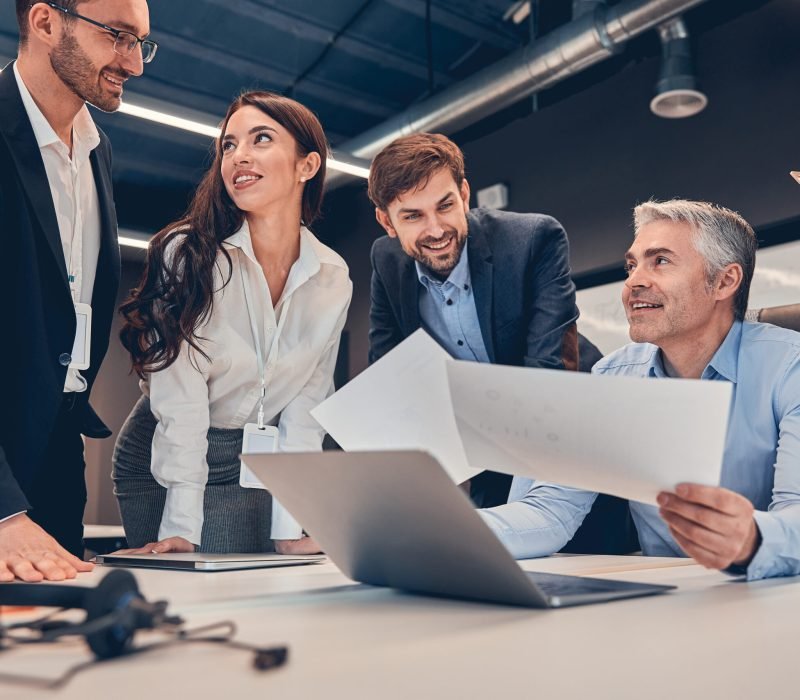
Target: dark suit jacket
x: 38, y: 316
x: 524, y: 295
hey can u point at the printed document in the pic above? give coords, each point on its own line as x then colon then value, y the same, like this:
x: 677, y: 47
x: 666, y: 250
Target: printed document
x: 626, y: 436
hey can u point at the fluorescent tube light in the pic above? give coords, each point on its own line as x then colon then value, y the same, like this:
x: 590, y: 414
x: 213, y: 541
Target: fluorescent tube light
x: 197, y: 127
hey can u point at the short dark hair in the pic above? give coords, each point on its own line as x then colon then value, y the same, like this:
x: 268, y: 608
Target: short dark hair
x: 23, y: 9
x: 408, y: 163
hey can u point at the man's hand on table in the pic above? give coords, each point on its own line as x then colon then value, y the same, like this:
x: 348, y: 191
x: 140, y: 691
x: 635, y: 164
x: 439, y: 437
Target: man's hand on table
x: 27, y: 552
x: 712, y: 525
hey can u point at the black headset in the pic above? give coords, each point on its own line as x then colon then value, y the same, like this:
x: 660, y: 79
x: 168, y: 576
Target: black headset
x: 115, y: 609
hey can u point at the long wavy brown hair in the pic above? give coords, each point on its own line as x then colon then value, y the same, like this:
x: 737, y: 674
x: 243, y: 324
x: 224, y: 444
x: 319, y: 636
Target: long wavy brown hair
x: 176, y: 292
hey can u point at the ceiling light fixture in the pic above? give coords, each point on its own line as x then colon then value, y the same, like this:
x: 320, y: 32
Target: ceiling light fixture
x: 159, y: 117
x: 133, y: 242
x: 677, y: 95
x: 133, y: 239
x: 344, y: 164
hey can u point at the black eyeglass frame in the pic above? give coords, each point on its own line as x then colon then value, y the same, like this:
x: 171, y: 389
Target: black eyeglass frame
x: 152, y: 45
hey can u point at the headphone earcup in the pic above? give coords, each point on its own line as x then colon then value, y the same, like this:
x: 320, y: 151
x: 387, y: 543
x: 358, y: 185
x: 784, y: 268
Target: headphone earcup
x: 112, y: 595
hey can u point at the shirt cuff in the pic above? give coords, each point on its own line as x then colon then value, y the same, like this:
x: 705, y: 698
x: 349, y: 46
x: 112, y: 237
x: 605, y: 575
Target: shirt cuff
x: 284, y: 526
x: 772, y: 539
x: 183, y: 514
x: 14, y: 515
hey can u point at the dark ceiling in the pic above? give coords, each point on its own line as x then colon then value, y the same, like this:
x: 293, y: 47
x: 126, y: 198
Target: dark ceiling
x: 354, y: 62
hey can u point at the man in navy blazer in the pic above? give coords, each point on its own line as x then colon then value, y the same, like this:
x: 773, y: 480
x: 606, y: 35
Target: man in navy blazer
x: 55, y: 198
x: 488, y: 285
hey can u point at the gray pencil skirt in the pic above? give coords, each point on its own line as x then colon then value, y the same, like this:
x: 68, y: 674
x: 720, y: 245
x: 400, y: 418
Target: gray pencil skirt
x: 235, y: 519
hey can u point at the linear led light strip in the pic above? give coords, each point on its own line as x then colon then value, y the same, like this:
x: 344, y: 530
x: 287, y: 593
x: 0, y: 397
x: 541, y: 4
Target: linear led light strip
x: 214, y: 132
x: 132, y: 242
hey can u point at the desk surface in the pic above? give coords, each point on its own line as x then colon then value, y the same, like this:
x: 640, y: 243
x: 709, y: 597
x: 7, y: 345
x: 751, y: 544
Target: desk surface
x: 713, y: 637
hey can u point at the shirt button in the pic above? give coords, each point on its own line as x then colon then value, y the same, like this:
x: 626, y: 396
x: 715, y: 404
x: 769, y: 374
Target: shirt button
x: 460, y: 342
x: 466, y: 287
x: 65, y: 359
x: 449, y: 302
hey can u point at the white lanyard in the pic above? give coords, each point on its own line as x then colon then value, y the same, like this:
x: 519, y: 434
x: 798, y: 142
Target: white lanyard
x: 257, y: 339
x: 75, y: 261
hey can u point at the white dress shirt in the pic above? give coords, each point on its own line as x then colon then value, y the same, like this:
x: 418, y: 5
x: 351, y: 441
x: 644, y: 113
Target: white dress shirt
x: 75, y: 200
x: 222, y: 391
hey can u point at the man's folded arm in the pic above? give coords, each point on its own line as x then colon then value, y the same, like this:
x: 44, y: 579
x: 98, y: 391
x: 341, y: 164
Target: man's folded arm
x: 552, y: 339
x: 384, y: 333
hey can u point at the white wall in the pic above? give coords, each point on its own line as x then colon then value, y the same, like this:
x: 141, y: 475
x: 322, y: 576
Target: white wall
x: 776, y: 282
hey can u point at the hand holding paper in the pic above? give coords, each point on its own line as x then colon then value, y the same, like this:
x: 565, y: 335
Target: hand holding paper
x: 625, y: 436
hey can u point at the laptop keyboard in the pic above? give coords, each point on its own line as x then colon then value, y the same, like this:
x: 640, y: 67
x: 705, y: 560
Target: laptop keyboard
x: 561, y: 585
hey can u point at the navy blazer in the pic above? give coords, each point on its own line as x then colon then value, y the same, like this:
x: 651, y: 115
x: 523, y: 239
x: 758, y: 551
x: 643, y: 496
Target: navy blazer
x: 38, y: 314
x: 524, y: 295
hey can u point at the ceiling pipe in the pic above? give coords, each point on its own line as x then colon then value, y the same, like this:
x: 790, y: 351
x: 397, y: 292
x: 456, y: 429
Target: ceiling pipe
x: 560, y: 54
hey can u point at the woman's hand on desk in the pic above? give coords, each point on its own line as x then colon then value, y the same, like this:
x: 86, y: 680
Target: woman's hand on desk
x: 305, y: 545
x: 171, y: 544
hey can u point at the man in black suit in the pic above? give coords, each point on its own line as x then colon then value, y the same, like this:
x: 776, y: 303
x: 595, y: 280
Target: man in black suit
x: 488, y: 285
x: 60, y: 255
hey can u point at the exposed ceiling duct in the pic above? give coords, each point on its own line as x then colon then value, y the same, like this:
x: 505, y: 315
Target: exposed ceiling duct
x: 677, y: 95
x: 585, y: 41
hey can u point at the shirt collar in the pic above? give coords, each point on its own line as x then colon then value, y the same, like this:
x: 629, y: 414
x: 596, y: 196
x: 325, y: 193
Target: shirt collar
x: 725, y: 361
x: 313, y: 254
x: 459, y: 276
x: 84, y: 132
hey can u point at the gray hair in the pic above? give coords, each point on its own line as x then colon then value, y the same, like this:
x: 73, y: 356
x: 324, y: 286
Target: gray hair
x: 721, y: 236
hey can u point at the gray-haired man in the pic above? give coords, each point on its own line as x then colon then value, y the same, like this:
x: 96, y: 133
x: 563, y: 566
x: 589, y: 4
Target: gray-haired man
x: 689, y: 272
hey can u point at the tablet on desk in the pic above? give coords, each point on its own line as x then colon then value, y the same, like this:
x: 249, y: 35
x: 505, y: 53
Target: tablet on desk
x: 198, y: 561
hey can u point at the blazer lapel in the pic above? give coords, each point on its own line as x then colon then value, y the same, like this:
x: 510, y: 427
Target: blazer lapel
x: 29, y: 165
x: 109, y: 259
x: 482, y: 272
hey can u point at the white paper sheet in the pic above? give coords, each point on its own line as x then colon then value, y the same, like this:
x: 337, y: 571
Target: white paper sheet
x: 400, y: 402
x: 625, y: 436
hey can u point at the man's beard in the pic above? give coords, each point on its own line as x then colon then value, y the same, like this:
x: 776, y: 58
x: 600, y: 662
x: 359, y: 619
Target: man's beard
x: 76, y: 71
x: 438, y: 264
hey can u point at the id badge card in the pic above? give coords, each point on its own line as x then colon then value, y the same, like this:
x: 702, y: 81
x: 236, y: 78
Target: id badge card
x: 82, y: 347
x: 256, y: 441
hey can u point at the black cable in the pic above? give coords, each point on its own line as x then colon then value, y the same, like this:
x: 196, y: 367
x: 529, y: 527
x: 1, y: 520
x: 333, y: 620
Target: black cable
x: 289, y: 91
x: 266, y: 658
x: 429, y: 45
x: 533, y: 26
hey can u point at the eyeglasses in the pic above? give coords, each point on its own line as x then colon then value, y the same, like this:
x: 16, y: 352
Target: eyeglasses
x: 124, y: 42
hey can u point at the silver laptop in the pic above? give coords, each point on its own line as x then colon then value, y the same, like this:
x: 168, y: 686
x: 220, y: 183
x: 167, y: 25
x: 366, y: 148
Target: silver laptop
x: 207, y: 562
x: 396, y: 519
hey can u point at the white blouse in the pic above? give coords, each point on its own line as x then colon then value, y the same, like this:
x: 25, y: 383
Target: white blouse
x: 195, y: 393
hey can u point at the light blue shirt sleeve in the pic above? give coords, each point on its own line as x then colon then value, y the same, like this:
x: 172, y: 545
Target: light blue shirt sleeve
x: 779, y: 553
x: 542, y: 521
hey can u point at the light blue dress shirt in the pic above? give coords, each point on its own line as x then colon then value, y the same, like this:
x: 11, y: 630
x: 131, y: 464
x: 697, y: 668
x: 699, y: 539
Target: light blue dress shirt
x: 447, y: 311
x: 761, y: 459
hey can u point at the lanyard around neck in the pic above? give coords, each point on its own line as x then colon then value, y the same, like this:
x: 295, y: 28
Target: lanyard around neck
x: 262, y: 366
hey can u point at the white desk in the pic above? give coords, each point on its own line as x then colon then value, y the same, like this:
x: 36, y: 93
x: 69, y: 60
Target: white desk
x: 711, y: 638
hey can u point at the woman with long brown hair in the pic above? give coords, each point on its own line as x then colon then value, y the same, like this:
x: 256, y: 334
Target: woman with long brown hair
x: 234, y: 330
